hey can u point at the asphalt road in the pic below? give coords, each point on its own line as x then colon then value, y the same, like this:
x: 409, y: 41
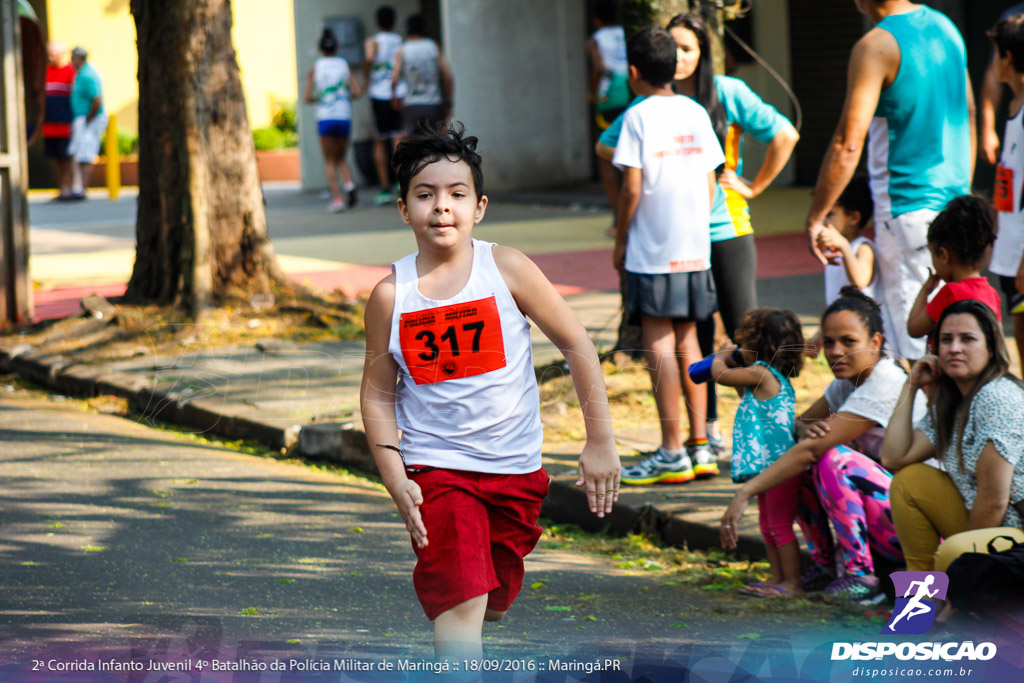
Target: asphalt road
x: 121, y: 540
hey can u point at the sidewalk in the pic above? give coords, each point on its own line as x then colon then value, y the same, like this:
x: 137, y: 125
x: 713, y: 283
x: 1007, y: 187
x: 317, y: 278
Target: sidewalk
x: 306, y: 396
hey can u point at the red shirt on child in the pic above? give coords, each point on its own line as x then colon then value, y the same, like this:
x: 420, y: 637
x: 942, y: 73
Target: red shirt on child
x: 976, y: 288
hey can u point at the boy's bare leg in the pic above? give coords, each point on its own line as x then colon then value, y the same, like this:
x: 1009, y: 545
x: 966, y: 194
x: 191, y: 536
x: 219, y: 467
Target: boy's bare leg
x: 688, y: 351
x: 380, y: 160
x: 457, y: 632
x: 659, y: 342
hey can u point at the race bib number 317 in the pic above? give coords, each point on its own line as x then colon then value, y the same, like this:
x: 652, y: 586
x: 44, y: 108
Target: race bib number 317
x: 452, y: 342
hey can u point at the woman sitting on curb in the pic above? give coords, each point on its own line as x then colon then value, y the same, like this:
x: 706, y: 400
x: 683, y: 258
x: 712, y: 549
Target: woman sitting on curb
x: 837, y: 456
x: 974, y: 426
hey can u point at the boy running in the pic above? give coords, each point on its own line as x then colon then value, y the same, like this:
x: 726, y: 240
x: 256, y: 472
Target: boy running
x: 449, y: 362
x: 1008, y: 252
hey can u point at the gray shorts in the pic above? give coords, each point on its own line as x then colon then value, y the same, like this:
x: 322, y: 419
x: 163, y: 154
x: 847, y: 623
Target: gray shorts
x: 679, y: 296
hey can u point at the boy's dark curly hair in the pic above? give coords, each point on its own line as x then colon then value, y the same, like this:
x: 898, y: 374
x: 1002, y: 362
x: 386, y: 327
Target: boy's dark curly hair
x: 776, y: 336
x: 434, y: 143
x: 867, y: 309
x: 965, y: 228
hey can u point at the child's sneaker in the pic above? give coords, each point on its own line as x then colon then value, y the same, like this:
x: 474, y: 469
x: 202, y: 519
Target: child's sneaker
x: 384, y: 197
x: 661, y: 467
x: 352, y: 195
x: 858, y: 589
x: 716, y: 442
x: 815, y: 579
x: 704, y: 463
x: 336, y: 206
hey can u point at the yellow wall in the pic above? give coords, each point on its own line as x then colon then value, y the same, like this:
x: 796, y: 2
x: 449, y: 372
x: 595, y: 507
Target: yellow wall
x: 263, y: 33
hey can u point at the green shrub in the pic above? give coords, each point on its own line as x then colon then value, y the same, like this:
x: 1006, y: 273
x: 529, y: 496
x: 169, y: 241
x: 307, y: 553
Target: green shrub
x: 284, y: 116
x: 127, y: 143
x: 274, y: 138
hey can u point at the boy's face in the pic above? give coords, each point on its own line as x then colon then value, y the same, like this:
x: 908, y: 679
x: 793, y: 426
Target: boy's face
x: 441, y: 205
x: 846, y: 222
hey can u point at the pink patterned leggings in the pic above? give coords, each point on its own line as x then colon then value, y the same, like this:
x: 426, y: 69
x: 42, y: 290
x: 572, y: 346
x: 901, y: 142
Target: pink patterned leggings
x: 852, y: 491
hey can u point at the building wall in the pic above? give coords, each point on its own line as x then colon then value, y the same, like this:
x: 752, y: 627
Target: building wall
x: 771, y: 42
x: 520, y: 86
x: 263, y: 34
x: 309, y: 16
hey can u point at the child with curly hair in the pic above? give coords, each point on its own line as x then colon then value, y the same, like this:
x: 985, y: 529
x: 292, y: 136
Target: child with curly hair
x: 960, y: 240
x: 771, y: 344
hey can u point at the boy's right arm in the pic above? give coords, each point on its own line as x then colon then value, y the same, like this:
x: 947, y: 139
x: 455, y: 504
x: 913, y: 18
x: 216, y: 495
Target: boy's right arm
x: 377, y: 403
x: 629, y: 198
x: 371, y: 54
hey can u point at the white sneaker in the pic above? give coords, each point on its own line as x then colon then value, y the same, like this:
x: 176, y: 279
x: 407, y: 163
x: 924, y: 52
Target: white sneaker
x: 704, y: 463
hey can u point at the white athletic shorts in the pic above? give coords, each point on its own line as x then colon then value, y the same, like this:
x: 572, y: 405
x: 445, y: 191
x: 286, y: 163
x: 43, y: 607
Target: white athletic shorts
x: 901, y: 247
x: 85, y: 138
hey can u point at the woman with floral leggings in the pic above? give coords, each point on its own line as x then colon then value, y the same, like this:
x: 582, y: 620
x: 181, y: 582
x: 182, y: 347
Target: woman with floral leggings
x: 834, y: 470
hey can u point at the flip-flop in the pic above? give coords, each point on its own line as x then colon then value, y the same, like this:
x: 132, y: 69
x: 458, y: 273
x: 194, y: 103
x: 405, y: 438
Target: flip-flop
x: 766, y: 591
x: 752, y: 588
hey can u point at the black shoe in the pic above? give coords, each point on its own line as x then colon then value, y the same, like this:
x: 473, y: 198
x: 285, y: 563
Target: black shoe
x: 351, y: 196
x: 75, y: 197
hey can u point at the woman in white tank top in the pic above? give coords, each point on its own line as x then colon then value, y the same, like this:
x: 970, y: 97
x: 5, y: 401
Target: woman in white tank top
x: 331, y: 88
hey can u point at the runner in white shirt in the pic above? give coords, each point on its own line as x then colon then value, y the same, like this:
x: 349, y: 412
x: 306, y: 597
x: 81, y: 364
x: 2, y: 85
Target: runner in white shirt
x: 1008, y: 251
x: 330, y: 87
x: 429, y: 82
x: 378, y: 69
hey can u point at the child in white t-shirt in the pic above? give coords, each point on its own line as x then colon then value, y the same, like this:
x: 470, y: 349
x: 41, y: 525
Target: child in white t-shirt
x: 851, y: 255
x: 668, y: 152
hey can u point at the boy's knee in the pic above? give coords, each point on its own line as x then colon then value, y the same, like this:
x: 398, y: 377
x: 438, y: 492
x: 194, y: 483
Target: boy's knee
x: 494, y: 615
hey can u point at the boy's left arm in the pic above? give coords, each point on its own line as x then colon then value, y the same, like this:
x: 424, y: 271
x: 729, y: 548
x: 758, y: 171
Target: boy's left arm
x: 599, y: 466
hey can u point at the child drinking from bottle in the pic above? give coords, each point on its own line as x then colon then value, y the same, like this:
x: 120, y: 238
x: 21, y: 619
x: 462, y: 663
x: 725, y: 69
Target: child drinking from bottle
x: 770, y: 344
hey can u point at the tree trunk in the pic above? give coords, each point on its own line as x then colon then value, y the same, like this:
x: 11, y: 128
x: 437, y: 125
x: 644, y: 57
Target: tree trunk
x: 201, y: 229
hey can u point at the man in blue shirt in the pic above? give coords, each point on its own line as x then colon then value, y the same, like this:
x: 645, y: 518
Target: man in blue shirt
x: 909, y: 94
x: 88, y: 122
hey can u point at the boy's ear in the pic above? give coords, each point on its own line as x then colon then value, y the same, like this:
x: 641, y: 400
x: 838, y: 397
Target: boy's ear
x: 634, y: 73
x: 403, y: 211
x: 857, y: 218
x: 481, y: 209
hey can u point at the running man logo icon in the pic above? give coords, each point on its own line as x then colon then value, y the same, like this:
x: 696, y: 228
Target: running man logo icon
x: 921, y: 594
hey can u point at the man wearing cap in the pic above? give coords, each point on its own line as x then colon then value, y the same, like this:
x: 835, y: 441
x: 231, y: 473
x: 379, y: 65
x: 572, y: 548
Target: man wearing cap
x: 909, y: 95
x: 57, y: 119
x: 88, y: 123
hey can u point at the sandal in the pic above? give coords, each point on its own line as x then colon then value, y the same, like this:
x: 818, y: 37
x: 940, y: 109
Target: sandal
x: 761, y: 590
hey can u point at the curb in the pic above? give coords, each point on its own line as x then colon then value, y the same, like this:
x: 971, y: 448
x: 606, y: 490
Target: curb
x: 339, y: 443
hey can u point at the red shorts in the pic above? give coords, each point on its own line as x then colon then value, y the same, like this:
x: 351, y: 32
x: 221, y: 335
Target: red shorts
x: 479, y: 528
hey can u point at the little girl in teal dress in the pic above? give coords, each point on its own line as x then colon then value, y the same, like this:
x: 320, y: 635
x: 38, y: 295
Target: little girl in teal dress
x: 771, y: 344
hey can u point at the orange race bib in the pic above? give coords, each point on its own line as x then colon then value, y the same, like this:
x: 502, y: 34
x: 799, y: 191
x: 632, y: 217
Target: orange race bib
x: 1003, y: 198
x: 452, y: 342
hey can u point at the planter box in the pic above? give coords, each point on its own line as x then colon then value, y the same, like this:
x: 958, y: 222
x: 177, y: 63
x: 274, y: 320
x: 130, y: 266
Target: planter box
x: 275, y: 164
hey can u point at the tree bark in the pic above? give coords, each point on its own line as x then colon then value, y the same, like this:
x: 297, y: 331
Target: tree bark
x: 201, y: 229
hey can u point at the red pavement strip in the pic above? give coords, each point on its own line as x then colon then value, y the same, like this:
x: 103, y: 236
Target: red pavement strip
x: 571, y: 272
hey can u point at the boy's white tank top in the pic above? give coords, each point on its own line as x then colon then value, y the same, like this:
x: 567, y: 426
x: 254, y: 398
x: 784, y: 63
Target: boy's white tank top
x: 388, y: 44
x: 467, y: 395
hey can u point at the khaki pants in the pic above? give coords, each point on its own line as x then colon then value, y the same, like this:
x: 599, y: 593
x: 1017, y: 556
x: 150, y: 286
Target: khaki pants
x: 926, y: 508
